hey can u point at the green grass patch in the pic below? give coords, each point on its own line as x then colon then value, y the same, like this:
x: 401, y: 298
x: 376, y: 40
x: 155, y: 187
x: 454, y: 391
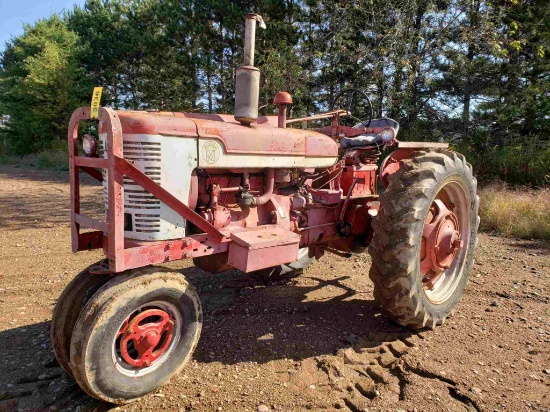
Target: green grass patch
x: 53, y: 160
x: 7, y: 160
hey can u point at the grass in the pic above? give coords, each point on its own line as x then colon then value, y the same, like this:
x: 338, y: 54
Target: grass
x: 50, y: 159
x: 53, y: 160
x: 7, y: 160
x: 519, y: 212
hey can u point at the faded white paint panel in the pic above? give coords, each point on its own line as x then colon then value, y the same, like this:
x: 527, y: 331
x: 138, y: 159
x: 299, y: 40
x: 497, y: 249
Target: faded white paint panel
x: 167, y: 160
x: 212, y: 156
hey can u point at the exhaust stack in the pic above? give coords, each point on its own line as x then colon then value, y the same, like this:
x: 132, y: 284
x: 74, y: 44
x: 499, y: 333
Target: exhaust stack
x: 247, y: 84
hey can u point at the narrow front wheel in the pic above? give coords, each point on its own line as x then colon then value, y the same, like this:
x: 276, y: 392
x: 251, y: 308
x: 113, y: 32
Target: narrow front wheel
x: 67, y: 309
x: 134, y: 334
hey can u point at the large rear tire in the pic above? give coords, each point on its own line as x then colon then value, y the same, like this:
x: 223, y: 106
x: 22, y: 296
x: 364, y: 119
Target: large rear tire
x: 424, y: 238
x: 135, y: 333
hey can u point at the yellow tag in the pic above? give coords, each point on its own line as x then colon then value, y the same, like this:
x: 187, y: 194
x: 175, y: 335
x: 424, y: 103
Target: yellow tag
x: 96, y: 99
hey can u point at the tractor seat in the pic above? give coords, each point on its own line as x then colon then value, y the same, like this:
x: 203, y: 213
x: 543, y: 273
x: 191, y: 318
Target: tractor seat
x: 380, y: 123
x: 372, y: 138
x: 360, y: 141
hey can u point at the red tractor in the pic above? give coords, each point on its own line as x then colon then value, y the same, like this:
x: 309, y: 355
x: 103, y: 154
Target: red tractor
x: 247, y: 192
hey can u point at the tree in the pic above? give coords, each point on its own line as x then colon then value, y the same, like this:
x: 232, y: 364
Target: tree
x: 41, y: 83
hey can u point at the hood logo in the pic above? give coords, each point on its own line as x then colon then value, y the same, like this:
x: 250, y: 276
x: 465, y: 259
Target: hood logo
x: 211, y: 152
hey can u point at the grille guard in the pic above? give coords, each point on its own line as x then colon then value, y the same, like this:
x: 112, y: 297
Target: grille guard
x: 124, y: 254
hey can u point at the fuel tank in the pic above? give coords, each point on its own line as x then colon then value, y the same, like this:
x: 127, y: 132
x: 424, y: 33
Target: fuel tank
x: 168, y: 146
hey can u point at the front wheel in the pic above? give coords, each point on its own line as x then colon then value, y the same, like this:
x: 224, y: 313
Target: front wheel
x: 135, y: 333
x: 67, y: 309
x: 424, y: 238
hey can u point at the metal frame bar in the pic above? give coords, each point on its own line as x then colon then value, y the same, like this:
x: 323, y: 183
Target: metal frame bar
x: 124, y: 255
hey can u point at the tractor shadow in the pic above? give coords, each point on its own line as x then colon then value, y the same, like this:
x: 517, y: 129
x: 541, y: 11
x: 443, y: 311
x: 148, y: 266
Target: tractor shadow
x: 32, y: 380
x: 245, y: 321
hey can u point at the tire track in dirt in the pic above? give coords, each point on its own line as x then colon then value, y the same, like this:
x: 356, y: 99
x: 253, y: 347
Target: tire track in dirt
x: 362, y: 372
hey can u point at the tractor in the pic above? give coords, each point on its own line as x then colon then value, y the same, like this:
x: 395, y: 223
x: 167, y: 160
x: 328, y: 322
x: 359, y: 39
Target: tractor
x: 248, y: 192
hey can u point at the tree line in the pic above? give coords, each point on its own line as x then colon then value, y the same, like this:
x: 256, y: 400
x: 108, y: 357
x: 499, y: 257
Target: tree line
x: 471, y: 72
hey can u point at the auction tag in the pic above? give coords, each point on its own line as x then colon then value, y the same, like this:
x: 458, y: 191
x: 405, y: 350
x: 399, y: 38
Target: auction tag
x: 96, y: 99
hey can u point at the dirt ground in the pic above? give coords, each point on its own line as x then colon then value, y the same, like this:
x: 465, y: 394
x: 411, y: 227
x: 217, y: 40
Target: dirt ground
x: 318, y: 342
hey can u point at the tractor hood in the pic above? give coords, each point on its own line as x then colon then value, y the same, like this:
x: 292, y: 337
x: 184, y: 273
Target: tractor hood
x: 260, y: 138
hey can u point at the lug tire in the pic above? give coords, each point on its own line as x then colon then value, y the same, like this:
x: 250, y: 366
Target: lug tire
x: 398, y: 229
x: 67, y: 309
x: 96, y: 365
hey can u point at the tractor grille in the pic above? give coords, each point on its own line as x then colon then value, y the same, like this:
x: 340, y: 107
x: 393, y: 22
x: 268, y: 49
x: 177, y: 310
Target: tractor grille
x: 142, y: 205
x: 145, y: 216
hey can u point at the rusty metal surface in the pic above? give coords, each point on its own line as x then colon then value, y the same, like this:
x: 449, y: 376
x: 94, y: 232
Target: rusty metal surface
x: 441, y: 241
x: 391, y: 164
x: 109, y: 120
x: 262, y: 237
x: 364, y: 177
x: 326, y: 115
x: 144, y: 337
x: 90, y: 240
x: 266, y: 140
x: 139, y: 254
x: 110, y: 124
x: 134, y: 122
x: 263, y: 137
x: 96, y: 174
x: 91, y: 162
x: 262, y: 247
x: 91, y: 223
x: 326, y: 196
x: 72, y: 141
x: 282, y: 98
x: 124, y: 167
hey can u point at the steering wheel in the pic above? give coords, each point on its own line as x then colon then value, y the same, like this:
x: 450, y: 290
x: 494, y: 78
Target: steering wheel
x: 354, y: 101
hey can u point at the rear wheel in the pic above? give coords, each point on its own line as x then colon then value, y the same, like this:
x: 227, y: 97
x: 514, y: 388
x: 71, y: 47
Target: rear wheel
x: 135, y: 333
x: 424, y: 238
x: 67, y: 309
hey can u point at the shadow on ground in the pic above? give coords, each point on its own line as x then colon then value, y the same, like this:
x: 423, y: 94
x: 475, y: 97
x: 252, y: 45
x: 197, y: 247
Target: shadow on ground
x: 245, y: 321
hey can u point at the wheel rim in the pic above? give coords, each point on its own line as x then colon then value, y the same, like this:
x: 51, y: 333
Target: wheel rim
x: 146, y: 338
x: 445, y: 240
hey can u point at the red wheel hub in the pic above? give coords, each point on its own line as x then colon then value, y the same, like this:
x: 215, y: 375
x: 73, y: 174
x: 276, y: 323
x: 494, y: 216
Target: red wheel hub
x: 441, y: 241
x: 145, y: 337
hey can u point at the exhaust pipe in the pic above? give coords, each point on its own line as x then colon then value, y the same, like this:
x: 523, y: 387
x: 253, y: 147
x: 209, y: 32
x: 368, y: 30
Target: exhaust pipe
x: 247, y: 84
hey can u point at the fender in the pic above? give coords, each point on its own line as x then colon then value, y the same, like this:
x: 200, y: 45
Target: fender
x: 392, y: 163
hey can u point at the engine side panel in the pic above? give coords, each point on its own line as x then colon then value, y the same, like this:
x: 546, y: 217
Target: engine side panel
x: 168, y: 161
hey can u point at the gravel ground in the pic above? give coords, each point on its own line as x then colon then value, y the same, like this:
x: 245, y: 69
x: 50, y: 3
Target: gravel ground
x: 318, y: 342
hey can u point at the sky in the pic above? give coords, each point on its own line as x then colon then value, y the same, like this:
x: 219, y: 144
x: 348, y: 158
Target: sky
x: 14, y: 13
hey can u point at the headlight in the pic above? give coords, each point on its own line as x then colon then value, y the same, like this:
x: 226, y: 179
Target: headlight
x: 388, y: 134
x: 89, y: 145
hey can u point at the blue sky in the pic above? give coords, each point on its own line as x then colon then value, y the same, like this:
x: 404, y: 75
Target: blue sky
x: 14, y: 13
